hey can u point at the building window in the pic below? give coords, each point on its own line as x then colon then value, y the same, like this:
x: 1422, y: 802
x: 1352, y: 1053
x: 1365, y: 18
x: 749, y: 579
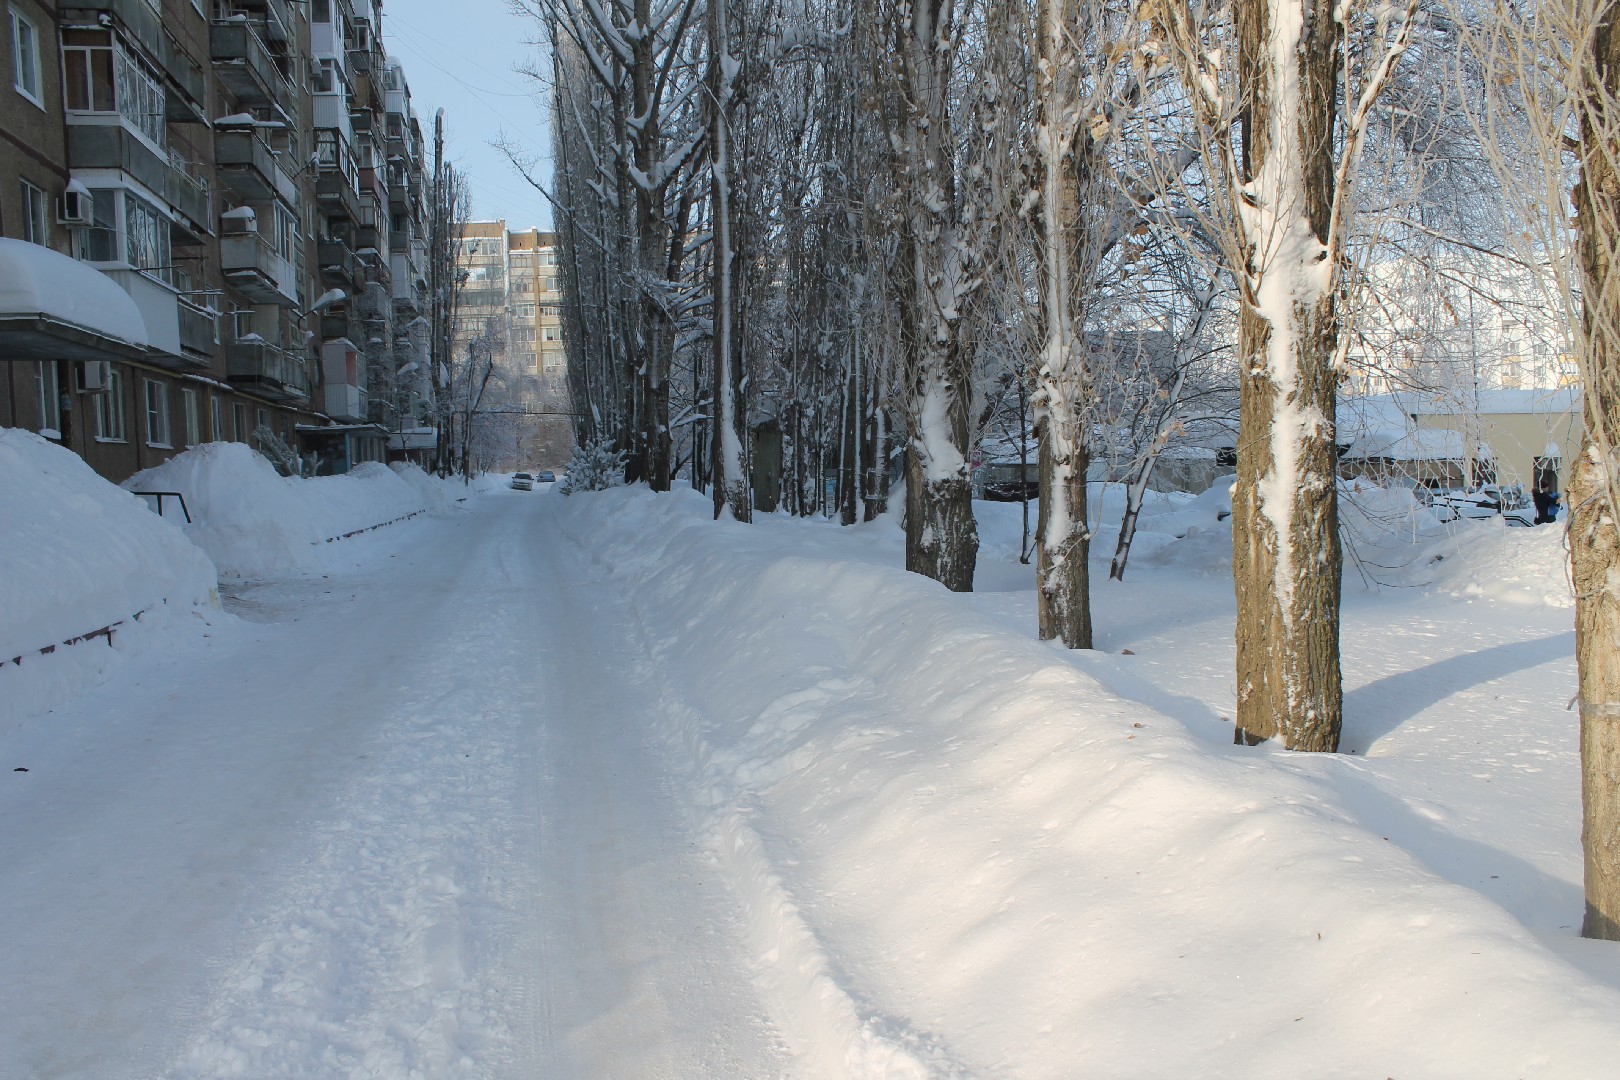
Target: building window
x: 188, y: 401
x: 216, y: 418
x: 48, y: 399
x: 101, y: 76
x: 110, y: 423
x: 25, y: 70
x: 551, y: 333
x: 239, y: 422
x: 264, y: 422
x: 137, y: 234
x: 36, y: 226
x: 146, y: 238
x: 157, y: 414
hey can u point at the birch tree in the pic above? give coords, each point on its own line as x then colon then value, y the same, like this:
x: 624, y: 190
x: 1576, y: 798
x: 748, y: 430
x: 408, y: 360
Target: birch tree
x: 937, y: 276
x: 1266, y: 80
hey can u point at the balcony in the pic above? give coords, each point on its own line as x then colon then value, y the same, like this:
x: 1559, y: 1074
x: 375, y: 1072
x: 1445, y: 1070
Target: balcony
x: 250, y: 168
x: 139, y: 20
x: 339, y: 267
x: 398, y: 185
x: 336, y: 194
x: 199, y: 330
x: 342, y: 401
x: 187, y: 88
x: 257, y: 270
x: 113, y: 146
x: 245, y: 65
x: 255, y: 365
x: 189, y: 196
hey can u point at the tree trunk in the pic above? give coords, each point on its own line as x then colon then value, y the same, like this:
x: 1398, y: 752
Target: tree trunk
x: 729, y: 427
x: 1286, y: 559
x: 1593, y: 539
x: 941, y: 537
x: 1066, y: 165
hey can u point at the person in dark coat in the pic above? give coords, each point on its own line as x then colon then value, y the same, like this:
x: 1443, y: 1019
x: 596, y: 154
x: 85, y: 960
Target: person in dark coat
x: 1546, y: 505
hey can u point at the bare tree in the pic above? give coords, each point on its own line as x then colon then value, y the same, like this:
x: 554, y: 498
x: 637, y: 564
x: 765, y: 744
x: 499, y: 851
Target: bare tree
x: 941, y: 243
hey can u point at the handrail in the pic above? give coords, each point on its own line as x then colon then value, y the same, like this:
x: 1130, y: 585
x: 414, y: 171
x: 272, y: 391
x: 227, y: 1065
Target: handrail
x: 160, y: 495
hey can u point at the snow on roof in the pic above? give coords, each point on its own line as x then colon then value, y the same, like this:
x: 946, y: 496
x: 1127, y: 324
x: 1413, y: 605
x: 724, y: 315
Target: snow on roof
x: 1400, y: 444
x: 36, y: 281
x: 1386, y: 407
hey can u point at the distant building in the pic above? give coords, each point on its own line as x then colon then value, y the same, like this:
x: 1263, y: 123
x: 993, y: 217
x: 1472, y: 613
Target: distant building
x: 1522, y: 437
x: 510, y: 296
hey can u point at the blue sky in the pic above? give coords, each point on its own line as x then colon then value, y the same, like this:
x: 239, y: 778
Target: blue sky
x: 460, y: 57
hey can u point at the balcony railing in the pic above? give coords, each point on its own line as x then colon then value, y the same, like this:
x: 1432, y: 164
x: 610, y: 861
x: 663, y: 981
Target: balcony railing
x: 250, y: 167
x: 339, y: 268
x: 336, y: 193
x: 199, y: 328
x: 344, y: 402
x: 188, y: 193
x: 256, y: 365
x: 258, y: 270
x: 245, y: 65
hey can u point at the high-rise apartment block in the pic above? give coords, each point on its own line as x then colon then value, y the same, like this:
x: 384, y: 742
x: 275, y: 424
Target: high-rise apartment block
x: 509, y: 304
x: 212, y: 215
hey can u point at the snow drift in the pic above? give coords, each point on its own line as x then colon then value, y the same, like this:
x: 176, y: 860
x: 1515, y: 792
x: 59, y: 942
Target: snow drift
x: 80, y: 556
x: 255, y: 523
x: 964, y: 852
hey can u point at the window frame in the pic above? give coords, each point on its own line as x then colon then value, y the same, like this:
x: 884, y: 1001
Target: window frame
x: 36, y: 214
x: 112, y: 424
x: 191, y: 414
x: 22, y: 62
x: 48, y: 398
x: 157, y: 415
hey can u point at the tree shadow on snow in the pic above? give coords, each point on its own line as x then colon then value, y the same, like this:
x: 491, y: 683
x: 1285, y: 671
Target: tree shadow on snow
x: 1380, y: 707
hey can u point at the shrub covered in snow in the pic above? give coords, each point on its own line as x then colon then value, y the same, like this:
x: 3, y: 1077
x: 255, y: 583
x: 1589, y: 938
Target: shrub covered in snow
x: 594, y: 467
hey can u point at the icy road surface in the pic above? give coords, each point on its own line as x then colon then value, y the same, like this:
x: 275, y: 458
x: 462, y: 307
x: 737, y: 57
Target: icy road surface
x: 403, y: 822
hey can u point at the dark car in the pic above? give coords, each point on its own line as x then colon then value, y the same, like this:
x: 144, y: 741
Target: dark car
x: 545, y: 476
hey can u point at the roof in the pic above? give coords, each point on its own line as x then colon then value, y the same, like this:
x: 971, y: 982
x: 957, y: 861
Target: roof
x: 1386, y: 407
x: 1399, y: 444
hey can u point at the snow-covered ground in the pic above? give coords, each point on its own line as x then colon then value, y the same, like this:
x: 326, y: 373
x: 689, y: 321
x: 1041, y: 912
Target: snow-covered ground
x: 596, y: 787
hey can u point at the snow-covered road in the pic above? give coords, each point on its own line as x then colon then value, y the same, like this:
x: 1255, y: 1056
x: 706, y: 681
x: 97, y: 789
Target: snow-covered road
x: 401, y: 822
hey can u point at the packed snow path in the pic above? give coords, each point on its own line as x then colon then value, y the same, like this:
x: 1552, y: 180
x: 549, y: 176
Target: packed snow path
x: 404, y: 822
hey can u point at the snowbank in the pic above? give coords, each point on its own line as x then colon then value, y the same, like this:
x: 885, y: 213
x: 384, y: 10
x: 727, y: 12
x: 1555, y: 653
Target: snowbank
x: 79, y: 556
x: 938, y: 825
x: 255, y: 523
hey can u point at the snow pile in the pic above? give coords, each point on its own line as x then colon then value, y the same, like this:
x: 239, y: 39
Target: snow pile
x: 964, y: 852
x: 255, y: 523
x: 1491, y: 559
x: 80, y: 555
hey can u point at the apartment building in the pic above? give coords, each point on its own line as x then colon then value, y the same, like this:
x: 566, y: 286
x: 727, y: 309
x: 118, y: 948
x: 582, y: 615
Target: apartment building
x: 224, y: 165
x: 510, y: 304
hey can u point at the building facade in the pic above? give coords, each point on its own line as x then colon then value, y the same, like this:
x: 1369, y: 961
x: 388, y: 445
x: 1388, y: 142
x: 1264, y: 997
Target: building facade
x: 227, y: 165
x: 510, y: 310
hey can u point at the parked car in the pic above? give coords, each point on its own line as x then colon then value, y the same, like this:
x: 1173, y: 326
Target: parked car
x: 523, y: 481
x: 545, y: 476
x: 1487, y: 501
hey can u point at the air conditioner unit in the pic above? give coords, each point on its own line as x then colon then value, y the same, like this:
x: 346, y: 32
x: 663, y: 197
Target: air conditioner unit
x: 94, y: 376
x: 75, y: 207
